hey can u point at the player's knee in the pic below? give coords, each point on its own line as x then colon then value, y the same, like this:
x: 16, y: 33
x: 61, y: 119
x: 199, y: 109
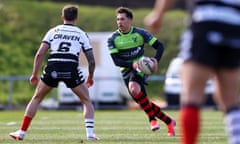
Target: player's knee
x: 37, y: 98
x: 134, y: 89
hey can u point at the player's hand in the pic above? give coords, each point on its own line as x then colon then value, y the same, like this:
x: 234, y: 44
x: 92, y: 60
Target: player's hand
x: 155, y: 68
x: 89, y: 82
x: 153, y: 22
x: 136, y: 65
x: 34, y: 80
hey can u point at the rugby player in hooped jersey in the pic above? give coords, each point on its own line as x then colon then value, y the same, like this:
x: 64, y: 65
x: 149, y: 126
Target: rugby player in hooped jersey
x: 210, y: 46
x: 126, y: 47
x: 65, y: 43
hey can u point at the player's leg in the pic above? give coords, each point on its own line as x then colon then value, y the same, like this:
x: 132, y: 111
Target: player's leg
x: 227, y: 95
x: 88, y: 110
x: 165, y: 118
x: 194, y: 77
x: 31, y: 109
x: 41, y: 91
x: 138, y: 93
x: 162, y: 116
x: 82, y: 92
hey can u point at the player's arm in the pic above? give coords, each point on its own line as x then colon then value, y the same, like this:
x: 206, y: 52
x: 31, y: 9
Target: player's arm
x: 91, y: 66
x: 154, y: 18
x: 120, y: 62
x: 153, y: 42
x: 161, y: 6
x: 123, y: 63
x: 159, y: 50
x: 39, y: 56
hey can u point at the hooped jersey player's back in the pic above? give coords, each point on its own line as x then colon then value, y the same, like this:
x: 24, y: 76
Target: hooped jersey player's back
x: 66, y: 42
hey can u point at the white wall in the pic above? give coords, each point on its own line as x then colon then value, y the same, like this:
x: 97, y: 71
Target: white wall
x: 108, y: 85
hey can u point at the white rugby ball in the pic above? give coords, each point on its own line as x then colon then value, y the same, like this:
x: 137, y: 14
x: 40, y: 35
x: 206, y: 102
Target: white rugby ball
x: 146, y: 65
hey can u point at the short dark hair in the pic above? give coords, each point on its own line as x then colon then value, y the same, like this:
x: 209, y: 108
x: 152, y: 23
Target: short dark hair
x: 125, y: 10
x: 70, y: 12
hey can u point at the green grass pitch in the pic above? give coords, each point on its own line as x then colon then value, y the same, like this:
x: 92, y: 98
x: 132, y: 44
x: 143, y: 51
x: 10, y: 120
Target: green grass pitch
x: 113, y: 127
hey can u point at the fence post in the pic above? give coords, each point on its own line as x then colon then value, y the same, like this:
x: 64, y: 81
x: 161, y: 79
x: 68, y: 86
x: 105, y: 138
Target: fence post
x: 10, y: 95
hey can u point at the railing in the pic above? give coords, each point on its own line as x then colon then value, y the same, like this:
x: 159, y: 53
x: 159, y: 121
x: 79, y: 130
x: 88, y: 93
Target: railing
x: 12, y: 79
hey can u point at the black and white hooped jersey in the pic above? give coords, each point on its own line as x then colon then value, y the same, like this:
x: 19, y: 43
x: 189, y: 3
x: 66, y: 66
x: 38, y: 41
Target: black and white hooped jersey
x: 224, y: 2
x: 226, y: 11
x: 66, y: 42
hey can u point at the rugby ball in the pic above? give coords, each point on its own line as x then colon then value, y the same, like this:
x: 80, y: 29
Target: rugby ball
x: 146, y: 65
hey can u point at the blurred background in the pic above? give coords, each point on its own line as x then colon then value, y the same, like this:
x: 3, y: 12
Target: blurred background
x: 23, y: 24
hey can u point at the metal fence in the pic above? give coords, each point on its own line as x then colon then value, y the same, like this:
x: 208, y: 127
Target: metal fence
x: 12, y: 79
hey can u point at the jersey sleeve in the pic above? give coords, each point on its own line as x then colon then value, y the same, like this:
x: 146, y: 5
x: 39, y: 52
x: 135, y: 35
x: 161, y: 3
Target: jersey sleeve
x: 111, y: 47
x: 86, y: 42
x: 148, y: 37
x: 154, y: 42
x: 48, y: 37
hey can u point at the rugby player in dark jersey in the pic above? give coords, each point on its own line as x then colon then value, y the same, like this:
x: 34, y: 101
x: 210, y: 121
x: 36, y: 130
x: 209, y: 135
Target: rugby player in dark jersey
x: 210, y: 47
x: 126, y: 46
x: 65, y: 43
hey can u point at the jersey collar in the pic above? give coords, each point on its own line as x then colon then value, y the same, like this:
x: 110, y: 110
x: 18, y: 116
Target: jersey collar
x: 131, y: 29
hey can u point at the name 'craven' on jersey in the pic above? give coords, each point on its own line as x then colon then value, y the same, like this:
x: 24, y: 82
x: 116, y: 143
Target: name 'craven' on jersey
x: 66, y: 37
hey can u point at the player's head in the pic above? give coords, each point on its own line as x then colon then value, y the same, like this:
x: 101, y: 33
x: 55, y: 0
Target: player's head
x: 123, y: 10
x: 70, y: 12
x: 124, y: 19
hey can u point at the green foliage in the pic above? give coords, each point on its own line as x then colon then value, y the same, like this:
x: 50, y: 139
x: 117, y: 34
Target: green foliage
x: 24, y: 23
x: 22, y: 29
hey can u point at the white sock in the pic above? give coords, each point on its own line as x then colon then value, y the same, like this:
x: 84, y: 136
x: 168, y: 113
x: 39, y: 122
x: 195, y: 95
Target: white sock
x: 232, y: 126
x: 22, y: 132
x: 89, y: 124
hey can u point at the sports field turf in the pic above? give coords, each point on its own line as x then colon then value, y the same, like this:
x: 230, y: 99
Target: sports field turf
x: 113, y: 127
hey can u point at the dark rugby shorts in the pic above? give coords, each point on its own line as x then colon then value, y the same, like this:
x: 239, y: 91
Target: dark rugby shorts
x: 214, y: 44
x: 68, y: 72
